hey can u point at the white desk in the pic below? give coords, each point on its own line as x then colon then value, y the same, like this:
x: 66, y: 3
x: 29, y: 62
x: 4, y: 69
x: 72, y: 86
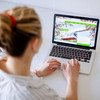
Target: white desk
x: 88, y: 85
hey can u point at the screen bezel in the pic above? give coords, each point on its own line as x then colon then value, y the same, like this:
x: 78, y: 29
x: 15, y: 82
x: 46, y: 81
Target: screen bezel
x: 72, y: 45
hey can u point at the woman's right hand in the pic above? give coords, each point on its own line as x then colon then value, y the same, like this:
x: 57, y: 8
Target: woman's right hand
x: 71, y: 71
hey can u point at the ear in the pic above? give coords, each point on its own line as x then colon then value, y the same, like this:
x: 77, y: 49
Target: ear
x: 34, y: 45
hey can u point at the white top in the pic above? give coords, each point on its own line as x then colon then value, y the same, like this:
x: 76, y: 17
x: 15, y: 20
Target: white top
x: 24, y: 88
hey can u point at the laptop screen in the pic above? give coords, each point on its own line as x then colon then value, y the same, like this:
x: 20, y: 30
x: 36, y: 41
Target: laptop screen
x: 72, y: 30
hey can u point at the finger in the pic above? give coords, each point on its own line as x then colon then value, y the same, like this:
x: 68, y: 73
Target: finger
x: 53, y: 64
x: 68, y: 64
x: 50, y: 59
x: 56, y: 62
x: 76, y: 61
x: 78, y: 65
x: 53, y: 60
x: 63, y: 67
x: 73, y: 61
x: 53, y: 69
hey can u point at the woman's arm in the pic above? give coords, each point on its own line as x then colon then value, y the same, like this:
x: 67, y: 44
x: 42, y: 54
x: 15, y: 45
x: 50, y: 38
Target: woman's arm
x: 71, y: 72
x: 71, y: 93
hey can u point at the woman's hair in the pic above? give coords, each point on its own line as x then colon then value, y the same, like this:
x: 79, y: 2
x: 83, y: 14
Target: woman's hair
x: 14, y: 39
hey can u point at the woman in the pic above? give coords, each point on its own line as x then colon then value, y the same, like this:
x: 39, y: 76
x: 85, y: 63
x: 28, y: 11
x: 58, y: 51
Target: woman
x: 20, y: 37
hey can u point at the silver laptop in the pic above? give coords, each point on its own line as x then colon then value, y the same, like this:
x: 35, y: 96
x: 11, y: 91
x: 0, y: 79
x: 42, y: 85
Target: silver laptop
x: 74, y: 37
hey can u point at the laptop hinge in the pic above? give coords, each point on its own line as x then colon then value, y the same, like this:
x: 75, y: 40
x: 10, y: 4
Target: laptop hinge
x: 73, y: 46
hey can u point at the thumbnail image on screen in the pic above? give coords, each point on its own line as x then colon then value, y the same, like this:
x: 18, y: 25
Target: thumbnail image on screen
x: 75, y: 31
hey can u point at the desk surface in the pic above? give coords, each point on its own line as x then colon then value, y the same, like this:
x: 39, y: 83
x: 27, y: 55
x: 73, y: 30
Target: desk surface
x: 88, y: 85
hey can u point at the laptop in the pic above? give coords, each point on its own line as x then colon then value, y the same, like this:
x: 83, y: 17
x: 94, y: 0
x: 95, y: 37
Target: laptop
x: 74, y: 37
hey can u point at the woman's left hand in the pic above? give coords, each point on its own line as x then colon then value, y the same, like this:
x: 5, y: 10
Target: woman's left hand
x: 46, y: 68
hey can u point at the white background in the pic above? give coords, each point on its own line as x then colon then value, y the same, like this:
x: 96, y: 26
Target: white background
x: 83, y: 7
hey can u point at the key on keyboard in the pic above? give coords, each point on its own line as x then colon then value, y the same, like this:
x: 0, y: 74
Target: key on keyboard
x: 71, y: 53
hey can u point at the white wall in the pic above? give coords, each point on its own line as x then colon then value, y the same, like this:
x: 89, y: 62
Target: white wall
x: 82, y: 7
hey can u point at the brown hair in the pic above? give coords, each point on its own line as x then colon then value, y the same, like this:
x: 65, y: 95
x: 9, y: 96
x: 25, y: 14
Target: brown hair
x: 15, y: 40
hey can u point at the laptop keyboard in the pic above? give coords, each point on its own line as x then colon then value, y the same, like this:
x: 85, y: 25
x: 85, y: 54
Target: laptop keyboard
x: 71, y: 53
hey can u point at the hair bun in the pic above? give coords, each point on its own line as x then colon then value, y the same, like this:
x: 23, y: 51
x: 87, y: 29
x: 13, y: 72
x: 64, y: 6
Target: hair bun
x: 5, y: 29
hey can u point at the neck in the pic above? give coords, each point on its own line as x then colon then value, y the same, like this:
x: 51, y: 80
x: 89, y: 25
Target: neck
x: 18, y: 65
